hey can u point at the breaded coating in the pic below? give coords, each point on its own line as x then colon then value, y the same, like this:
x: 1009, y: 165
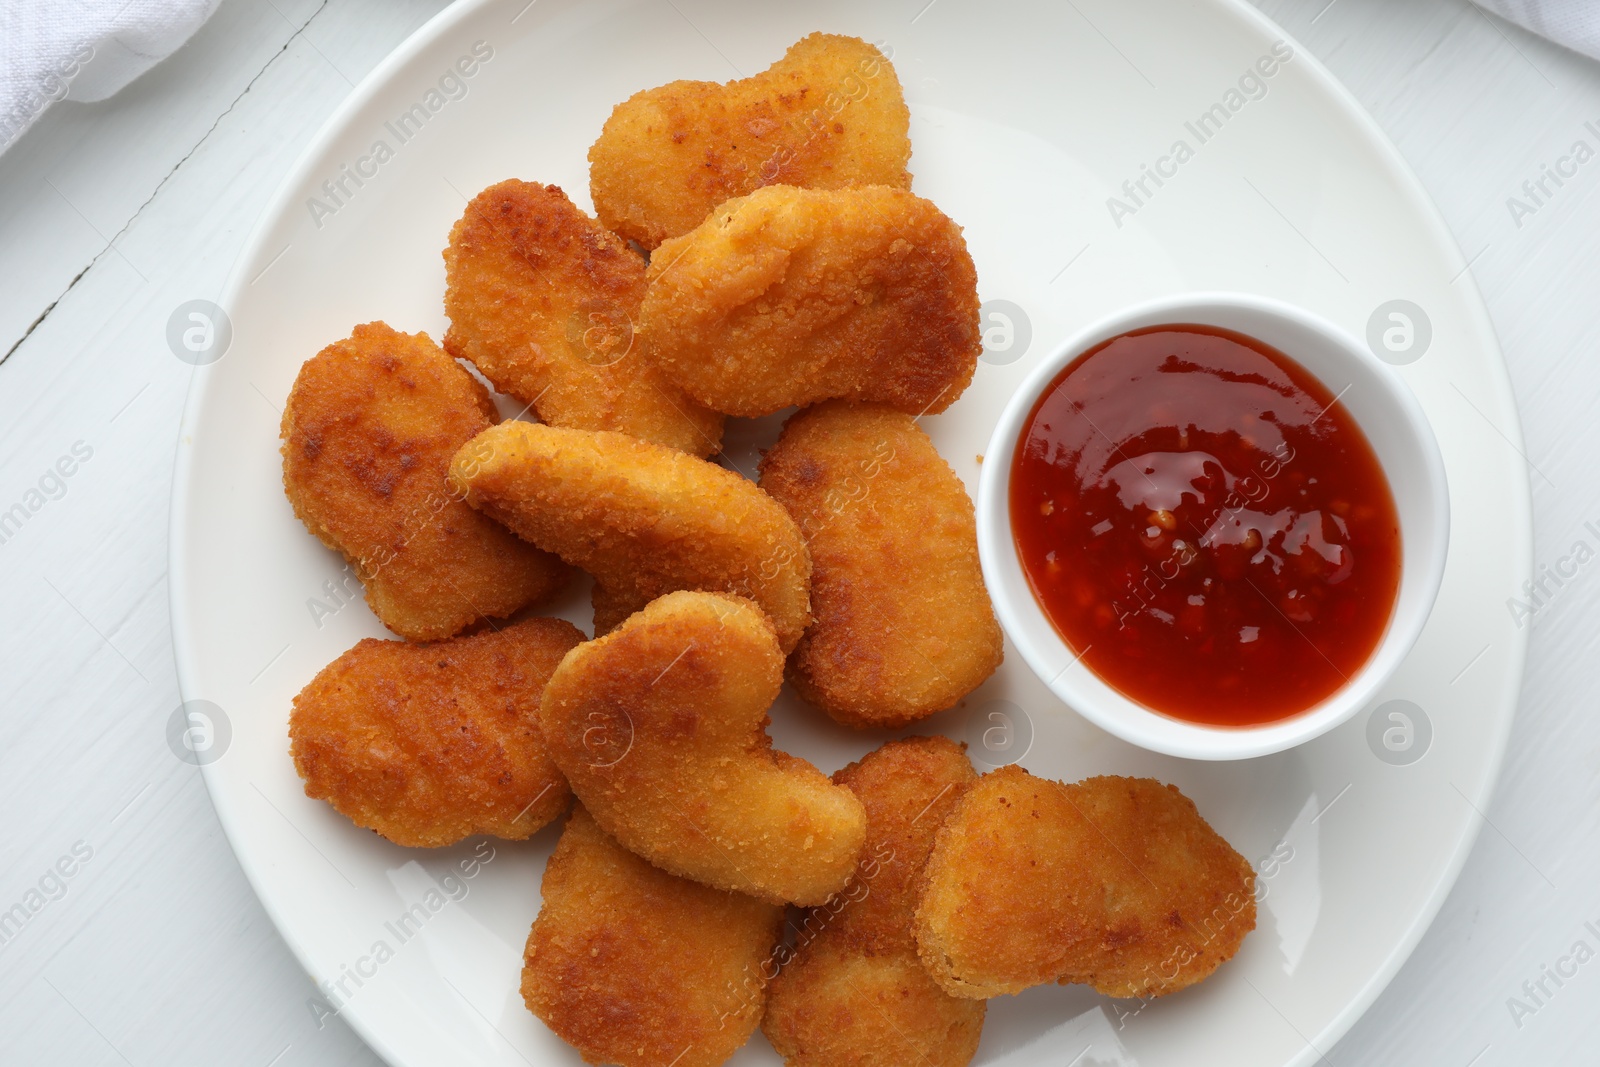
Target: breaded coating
x: 368, y: 432
x: 611, y: 609
x: 852, y: 992
x: 543, y: 300
x: 431, y: 743
x: 790, y: 296
x: 633, y: 966
x: 660, y: 726
x: 1117, y: 883
x: 642, y: 518
x: 829, y: 114
x: 903, y: 626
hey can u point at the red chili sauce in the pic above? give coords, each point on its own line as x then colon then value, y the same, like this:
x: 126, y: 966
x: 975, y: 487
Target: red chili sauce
x: 1204, y: 522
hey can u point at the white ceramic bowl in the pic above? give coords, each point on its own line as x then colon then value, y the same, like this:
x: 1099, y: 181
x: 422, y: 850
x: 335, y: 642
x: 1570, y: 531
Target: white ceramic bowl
x: 1387, y: 413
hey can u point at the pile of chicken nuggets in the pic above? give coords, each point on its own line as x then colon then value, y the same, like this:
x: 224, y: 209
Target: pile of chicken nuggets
x: 757, y: 249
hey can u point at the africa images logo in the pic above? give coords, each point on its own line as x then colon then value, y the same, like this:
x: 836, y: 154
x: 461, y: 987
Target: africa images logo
x: 1251, y: 85
x: 341, y: 188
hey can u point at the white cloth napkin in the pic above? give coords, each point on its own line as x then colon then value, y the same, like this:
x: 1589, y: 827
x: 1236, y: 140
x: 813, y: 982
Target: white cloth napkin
x: 1574, y: 23
x: 82, y: 50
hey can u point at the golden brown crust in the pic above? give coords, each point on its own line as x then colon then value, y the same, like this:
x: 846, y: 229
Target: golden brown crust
x: 633, y: 966
x: 854, y: 993
x: 643, y: 519
x: 1114, y: 882
x: 543, y: 300
x: 431, y: 743
x: 368, y: 432
x: 660, y: 726
x: 829, y: 114
x: 903, y: 626
x: 611, y: 609
x: 790, y: 296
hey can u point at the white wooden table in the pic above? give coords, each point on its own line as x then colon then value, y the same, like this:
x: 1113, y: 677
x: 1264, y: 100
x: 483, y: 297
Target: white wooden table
x: 154, y: 950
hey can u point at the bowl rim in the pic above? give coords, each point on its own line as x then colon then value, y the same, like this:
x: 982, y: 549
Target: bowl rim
x: 1043, y: 648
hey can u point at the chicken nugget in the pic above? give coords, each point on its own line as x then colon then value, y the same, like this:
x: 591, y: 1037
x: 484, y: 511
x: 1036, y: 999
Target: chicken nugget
x: 431, y: 743
x: 852, y: 991
x: 634, y: 966
x: 368, y: 432
x: 829, y: 114
x: 611, y: 609
x: 642, y: 518
x: 660, y: 726
x: 1117, y: 883
x: 903, y: 626
x: 790, y: 296
x: 543, y: 301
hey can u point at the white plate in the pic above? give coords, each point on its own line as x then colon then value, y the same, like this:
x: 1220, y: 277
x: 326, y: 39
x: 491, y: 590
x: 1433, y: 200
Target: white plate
x: 1025, y: 119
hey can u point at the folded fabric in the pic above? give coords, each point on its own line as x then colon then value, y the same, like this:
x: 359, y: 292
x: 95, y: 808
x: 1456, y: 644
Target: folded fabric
x: 1573, y: 23
x: 82, y: 50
